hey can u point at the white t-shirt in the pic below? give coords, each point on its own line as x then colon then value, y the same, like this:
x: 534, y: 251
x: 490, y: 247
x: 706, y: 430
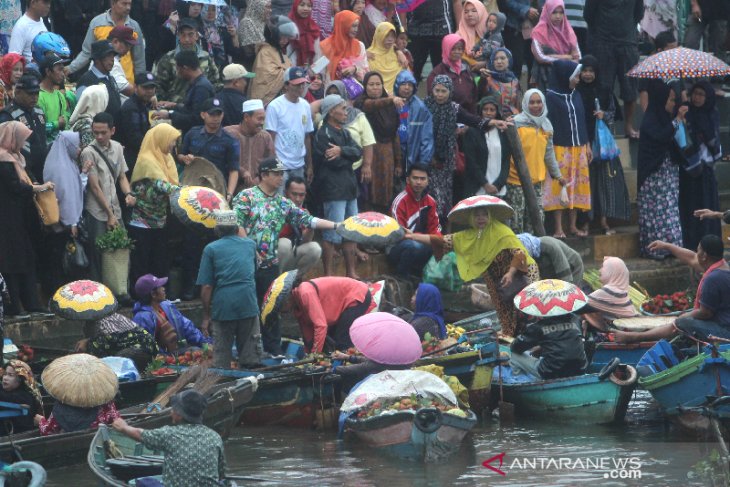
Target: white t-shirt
x: 21, y: 38
x: 291, y: 122
x: 120, y: 77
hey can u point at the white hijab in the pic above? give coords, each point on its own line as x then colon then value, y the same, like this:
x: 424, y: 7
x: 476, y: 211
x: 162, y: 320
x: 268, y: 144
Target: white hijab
x: 526, y: 118
x: 93, y: 100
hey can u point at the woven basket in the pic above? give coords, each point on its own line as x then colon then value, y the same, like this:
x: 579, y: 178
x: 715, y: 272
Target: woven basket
x: 115, y: 270
x: 480, y: 297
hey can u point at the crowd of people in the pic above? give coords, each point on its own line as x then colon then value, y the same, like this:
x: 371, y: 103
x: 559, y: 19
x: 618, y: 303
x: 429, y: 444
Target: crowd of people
x: 310, y: 111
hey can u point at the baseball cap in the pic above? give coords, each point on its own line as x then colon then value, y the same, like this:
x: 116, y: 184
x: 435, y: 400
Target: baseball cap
x: 236, y: 71
x: 51, y: 60
x: 295, y: 76
x: 101, y: 49
x: 146, y: 79
x: 148, y: 283
x: 271, y: 164
x: 28, y: 83
x: 212, y: 105
x: 123, y: 33
x: 187, y: 22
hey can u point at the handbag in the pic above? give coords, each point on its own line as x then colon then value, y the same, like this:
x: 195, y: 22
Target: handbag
x: 507, y: 293
x: 460, y: 162
x: 604, y: 145
x: 74, y: 258
x: 354, y: 87
x: 47, y: 205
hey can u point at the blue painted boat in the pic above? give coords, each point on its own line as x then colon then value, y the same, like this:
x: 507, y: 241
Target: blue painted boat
x: 425, y: 435
x: 627, y: 353
x: 585, y: 399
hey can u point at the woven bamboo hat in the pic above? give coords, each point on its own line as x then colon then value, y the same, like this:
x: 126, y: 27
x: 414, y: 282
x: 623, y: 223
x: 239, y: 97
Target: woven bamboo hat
x: 80, y: 380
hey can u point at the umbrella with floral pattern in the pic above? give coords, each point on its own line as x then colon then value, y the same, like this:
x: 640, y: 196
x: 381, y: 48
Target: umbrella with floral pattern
x: 371, y: 228
x: 83, y: 300
x: 195, y: 206
x: 681, y: 63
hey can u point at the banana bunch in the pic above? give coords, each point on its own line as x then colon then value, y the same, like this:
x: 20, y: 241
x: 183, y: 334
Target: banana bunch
x: 454, y: 331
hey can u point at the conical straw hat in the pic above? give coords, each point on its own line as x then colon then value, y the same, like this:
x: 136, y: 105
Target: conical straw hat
x: 80, y: 380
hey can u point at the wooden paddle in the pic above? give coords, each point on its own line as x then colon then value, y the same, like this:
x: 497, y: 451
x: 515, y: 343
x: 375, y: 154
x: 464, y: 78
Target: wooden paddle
x: 190, y: 375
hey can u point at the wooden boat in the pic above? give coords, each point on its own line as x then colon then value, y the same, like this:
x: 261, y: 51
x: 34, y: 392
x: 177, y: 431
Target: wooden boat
x: 627, y: 353
x: 424, y: 435
x: 586, y: 399
x: 225, y: 404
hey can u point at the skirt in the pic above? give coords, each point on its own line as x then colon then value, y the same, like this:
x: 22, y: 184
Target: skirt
x: 573, y: 163
x: 383, y: 171
x: 609, y: 195
x: 658, y: 203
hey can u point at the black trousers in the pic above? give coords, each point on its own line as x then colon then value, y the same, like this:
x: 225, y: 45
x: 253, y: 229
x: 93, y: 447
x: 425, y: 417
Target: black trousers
x: 150, y: 254
x: 421, y: 48
x: 519, y: 47
x: 341, y: 331
x: 271, y: 331
x: 22, y: 290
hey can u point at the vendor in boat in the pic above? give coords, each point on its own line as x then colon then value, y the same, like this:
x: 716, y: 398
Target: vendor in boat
x: 193, y: 452
x: 555, y: 258
x: 116, y: 335
x: 612, y: 301
x: 326, y: 307
x: 711, y: 313
x: 491, y: 250
x: 19, y: 387
x: 162, y: 319
x: 429, y: 312
x: 557, y: 333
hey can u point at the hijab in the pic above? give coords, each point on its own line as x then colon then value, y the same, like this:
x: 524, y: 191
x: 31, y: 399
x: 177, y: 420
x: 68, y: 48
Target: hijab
x: 94, y: 99
x: 309, y: 33
x: 447, y: 44
x: 428, y: 304
x: 506, y: 76
x: 613, y: 297
x: 560, y: 38
x: 384, y: 61
x: 12, y: 139
x: 352, y: 112
x: 251, y: 27
x: 340, y: 45
x: 23, y: 370
x: 63, y: 169
x: 656, y: 131
x: 152, y: 162
x: 526, y: 118
x: 473, y: 35
x: 704, y: 121
x: 490, y: 100
x: 7, y: 64
x: 567, y: 113
x: 384, y: 121
x: 444, y: 121
x: 477, y: 249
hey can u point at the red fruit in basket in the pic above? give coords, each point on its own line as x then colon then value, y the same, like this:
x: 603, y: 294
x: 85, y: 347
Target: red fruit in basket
x: 169, y: 360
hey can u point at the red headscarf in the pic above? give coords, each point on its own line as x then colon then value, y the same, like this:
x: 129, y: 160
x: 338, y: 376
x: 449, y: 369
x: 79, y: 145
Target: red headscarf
x: 308, y: 33
x: 447, y: 44
x: 340, y: 45
x: 7, y: 64
x: 561, y: 38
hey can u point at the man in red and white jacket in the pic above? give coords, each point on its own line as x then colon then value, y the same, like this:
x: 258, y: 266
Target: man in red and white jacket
x: 415, y: 210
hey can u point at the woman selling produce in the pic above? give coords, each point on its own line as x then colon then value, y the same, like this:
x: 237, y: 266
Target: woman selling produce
x: 429, y: 312
x: 19, y: 387
x: 612, y: 300
x: 117, y: 335
x: 489, y: 249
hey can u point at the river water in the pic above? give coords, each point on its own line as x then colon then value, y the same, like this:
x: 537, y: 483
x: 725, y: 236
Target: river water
x: 645, y: 451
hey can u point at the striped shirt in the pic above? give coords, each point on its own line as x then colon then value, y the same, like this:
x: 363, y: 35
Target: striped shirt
x: 574, y: 12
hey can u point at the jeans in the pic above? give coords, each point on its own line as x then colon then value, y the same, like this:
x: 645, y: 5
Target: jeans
x: 409, y: 257
x: 336, y: 211
x: 247, y: 334
x: 524, y: 363
x: 271, y: 333
x: 302, y: 258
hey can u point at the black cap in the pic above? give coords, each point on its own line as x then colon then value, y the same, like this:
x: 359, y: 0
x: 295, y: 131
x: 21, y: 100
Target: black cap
x: 101, y: 49
x: 51, y: 59
x: 212, y: 105
x: 188, y: 22
x: 146, y: 79
x: 28, y: 83
x: 190, y: 404
x: 271, y: 164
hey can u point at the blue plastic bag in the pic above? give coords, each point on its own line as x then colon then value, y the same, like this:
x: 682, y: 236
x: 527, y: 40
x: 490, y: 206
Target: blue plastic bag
x: 123, y: 367
x: 604, y: 145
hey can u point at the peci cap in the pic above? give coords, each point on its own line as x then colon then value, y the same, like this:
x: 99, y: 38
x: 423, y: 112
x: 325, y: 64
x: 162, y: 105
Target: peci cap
x: 329, y: 102
x: 212, y: 105
x: 101, y: 49
x: 28, y: 83
x: 146, y: 79
x: 271, y: 164
x: 252, y: 106
x: 236, y: 71
x: 225, y: 218
x: 125, y: 34
x: 148, y: 283
x: 295, y: 76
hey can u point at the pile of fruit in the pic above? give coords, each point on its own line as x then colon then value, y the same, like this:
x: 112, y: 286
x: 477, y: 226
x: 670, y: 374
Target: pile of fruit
x: 411, y: 403
x: 663, y: 304
x: 197, y: 357
x: 429, y: 343
x: 454, y: 331
x: 25, y: 353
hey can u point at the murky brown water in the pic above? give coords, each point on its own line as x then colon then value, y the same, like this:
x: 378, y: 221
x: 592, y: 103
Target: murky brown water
x: 645, y: 451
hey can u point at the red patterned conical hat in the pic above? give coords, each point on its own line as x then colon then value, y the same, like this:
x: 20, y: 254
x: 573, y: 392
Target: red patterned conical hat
x: 550, y: 297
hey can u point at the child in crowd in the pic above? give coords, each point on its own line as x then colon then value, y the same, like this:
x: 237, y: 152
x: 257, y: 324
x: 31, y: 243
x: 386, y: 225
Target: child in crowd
x: 401, y: 44
x: 492, y: 38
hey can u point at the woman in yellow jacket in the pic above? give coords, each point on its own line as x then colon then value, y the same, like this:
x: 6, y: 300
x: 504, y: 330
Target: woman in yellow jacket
x: 536, y: 135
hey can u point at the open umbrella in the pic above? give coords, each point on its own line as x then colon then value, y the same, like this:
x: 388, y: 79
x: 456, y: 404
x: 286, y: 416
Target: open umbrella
x: 386, y: 339
x: 83, y: 300
x: 371, y: 228
x: 202, y: 172
x: 680, y: 62
x: 195, y: 206
x: 277, y: 293
x: 550, y: 297
x: 80, y: 380
x: 498, y: 208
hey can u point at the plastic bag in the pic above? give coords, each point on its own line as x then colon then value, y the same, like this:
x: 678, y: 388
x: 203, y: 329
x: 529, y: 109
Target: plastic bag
x: 443, y: 274
x: 604, y: 145
x: 123, y: 367
x: 564, y: 199
x: 74, y: 258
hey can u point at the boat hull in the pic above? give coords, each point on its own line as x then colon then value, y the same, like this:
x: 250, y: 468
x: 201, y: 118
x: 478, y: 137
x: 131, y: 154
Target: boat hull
x: 627, y: 353
x: 431, y: 436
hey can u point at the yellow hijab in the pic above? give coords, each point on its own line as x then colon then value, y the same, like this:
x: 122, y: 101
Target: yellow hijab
x: 476, y: 250
x: 152, y: 161
x: 385, y: 60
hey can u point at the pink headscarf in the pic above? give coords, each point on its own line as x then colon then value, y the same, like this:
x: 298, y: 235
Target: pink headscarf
x: 472, y: 35
x: 447, y: 44
x: 561, y: 38
x: 613, y: 297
